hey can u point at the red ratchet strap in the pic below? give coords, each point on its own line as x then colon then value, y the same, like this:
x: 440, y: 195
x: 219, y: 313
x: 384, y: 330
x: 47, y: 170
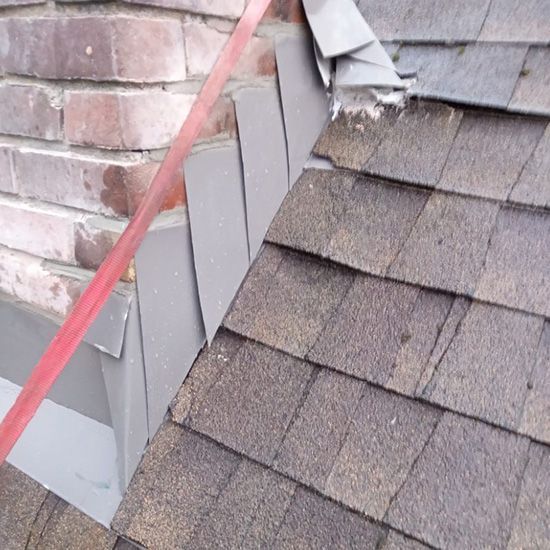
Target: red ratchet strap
x: 69, y: 336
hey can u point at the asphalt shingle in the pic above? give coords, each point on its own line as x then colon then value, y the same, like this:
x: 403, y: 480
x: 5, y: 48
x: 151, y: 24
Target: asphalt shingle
x: 176, y: 484
x: 447, y: 246
x: 424, y: 19
x: 363, y: 338
x: 414, y: 148
x: 461, y: 493
x: 386, y: 436
x: 517, y: 21
x: 312, y: 210
x: 533, y: 186
x: 486, y: 368
x: 531, y: 93
x: 535, y: 421
x: 489, y: 153
x: 251, y: 404
x: 397, y: 541
x: 316, y: 435
x: 376, y: 223
x: 531, y: 527
x: 479, y: 74
x: 286, y: 304
x: 517, y: 271
x: 20, y: 501
x: 312, y: 522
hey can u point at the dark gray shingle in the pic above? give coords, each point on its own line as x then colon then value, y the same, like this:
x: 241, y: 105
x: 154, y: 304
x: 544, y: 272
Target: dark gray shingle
x: 310, y: 446
x: 376, y: 222
x: 251, y: 404
x: 287, y: 299
x: 517, y: 21
x: 424, y: 19
x: 517, y: 270
x: 312, y: 522
x: 479, y: 74
x: 397, y: 541
x: 531, y: 93
x: 533, y: 186
x: 387, y: 434
x: 447, y: 246
x: 462, y: 491
x: 532, y: 521
x: 488, y: 154
x: 485, y: 370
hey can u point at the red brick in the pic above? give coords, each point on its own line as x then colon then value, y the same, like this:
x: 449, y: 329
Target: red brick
x: 288, y: 11
x: 222, y: 121
x: 203, y: 45
x: 81, y: 181
x: 7, y: 185
x: 94, y: 47
x: 224, y: 8
x: 125, y: 120
x: 30, y: 111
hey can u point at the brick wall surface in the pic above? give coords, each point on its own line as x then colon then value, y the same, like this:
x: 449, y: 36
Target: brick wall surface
x: 91, y: 95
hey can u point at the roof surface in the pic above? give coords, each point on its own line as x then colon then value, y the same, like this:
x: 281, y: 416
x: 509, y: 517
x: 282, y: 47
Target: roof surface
x: 382, y: 379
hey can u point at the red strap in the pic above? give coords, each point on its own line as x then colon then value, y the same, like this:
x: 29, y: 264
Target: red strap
x: 69, y: 336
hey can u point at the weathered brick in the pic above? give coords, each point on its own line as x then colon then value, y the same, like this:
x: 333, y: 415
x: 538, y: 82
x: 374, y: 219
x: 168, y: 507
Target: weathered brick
x: 30, y: 111
x: 81, y: 181
x: 6, y: 3
x: 37, y: 228
x: 232, y: 8
x: 222, y: 121
x: 94, y: 47
x: 125, y: 120
x: 203, y: 45
x: 289, y: 11
x: 7, y: 184
x: 30, y: 279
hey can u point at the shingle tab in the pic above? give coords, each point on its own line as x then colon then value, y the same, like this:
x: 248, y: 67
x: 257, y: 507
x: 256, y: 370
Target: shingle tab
x: 397, y: 541
x: 533, y: 186
x: 517, y: 21
x: 316, y: 435
x: 531, y: 93
x: 387, y: 434
x: 250, y: 406
x: 415, y: 147
x: 532, y: 521
x: 312, y: 522
x: 312, y: 210
x: 177, y: 483
x: 480, y: 74
x: 535, y: 421
x: 287, y: 305
x: 461, y: 493
x: 485, y: 370
x: 447, y: 245
x: 488, y: 154
x: 424, y: 19
x: 365, y: 335
x: 517, y: 270
x: 376, y: 223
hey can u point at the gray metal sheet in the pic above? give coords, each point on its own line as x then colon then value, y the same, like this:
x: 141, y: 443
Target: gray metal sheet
x: 352, y: 72
x: 263, y: 147
x: 217, y: 211
x: 337, y: 25
x: 306, y: 105
x: 125, y: 383
x: 374, y: 53
x: 25, y: 335
x: 171, y: 319
x: 324, y: 64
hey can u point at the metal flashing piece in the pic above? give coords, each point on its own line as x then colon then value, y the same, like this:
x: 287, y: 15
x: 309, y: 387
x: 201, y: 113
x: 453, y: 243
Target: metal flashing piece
x: 125, y: 383
x: 171, y: 321
x: 351, y: 72
x: 374, y: 53
x: 338, y: 26
x: 306, y: 105
x: 264, y: 154
x: 217, y: 211
x: 324, y: 65
x: 76, y: 462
